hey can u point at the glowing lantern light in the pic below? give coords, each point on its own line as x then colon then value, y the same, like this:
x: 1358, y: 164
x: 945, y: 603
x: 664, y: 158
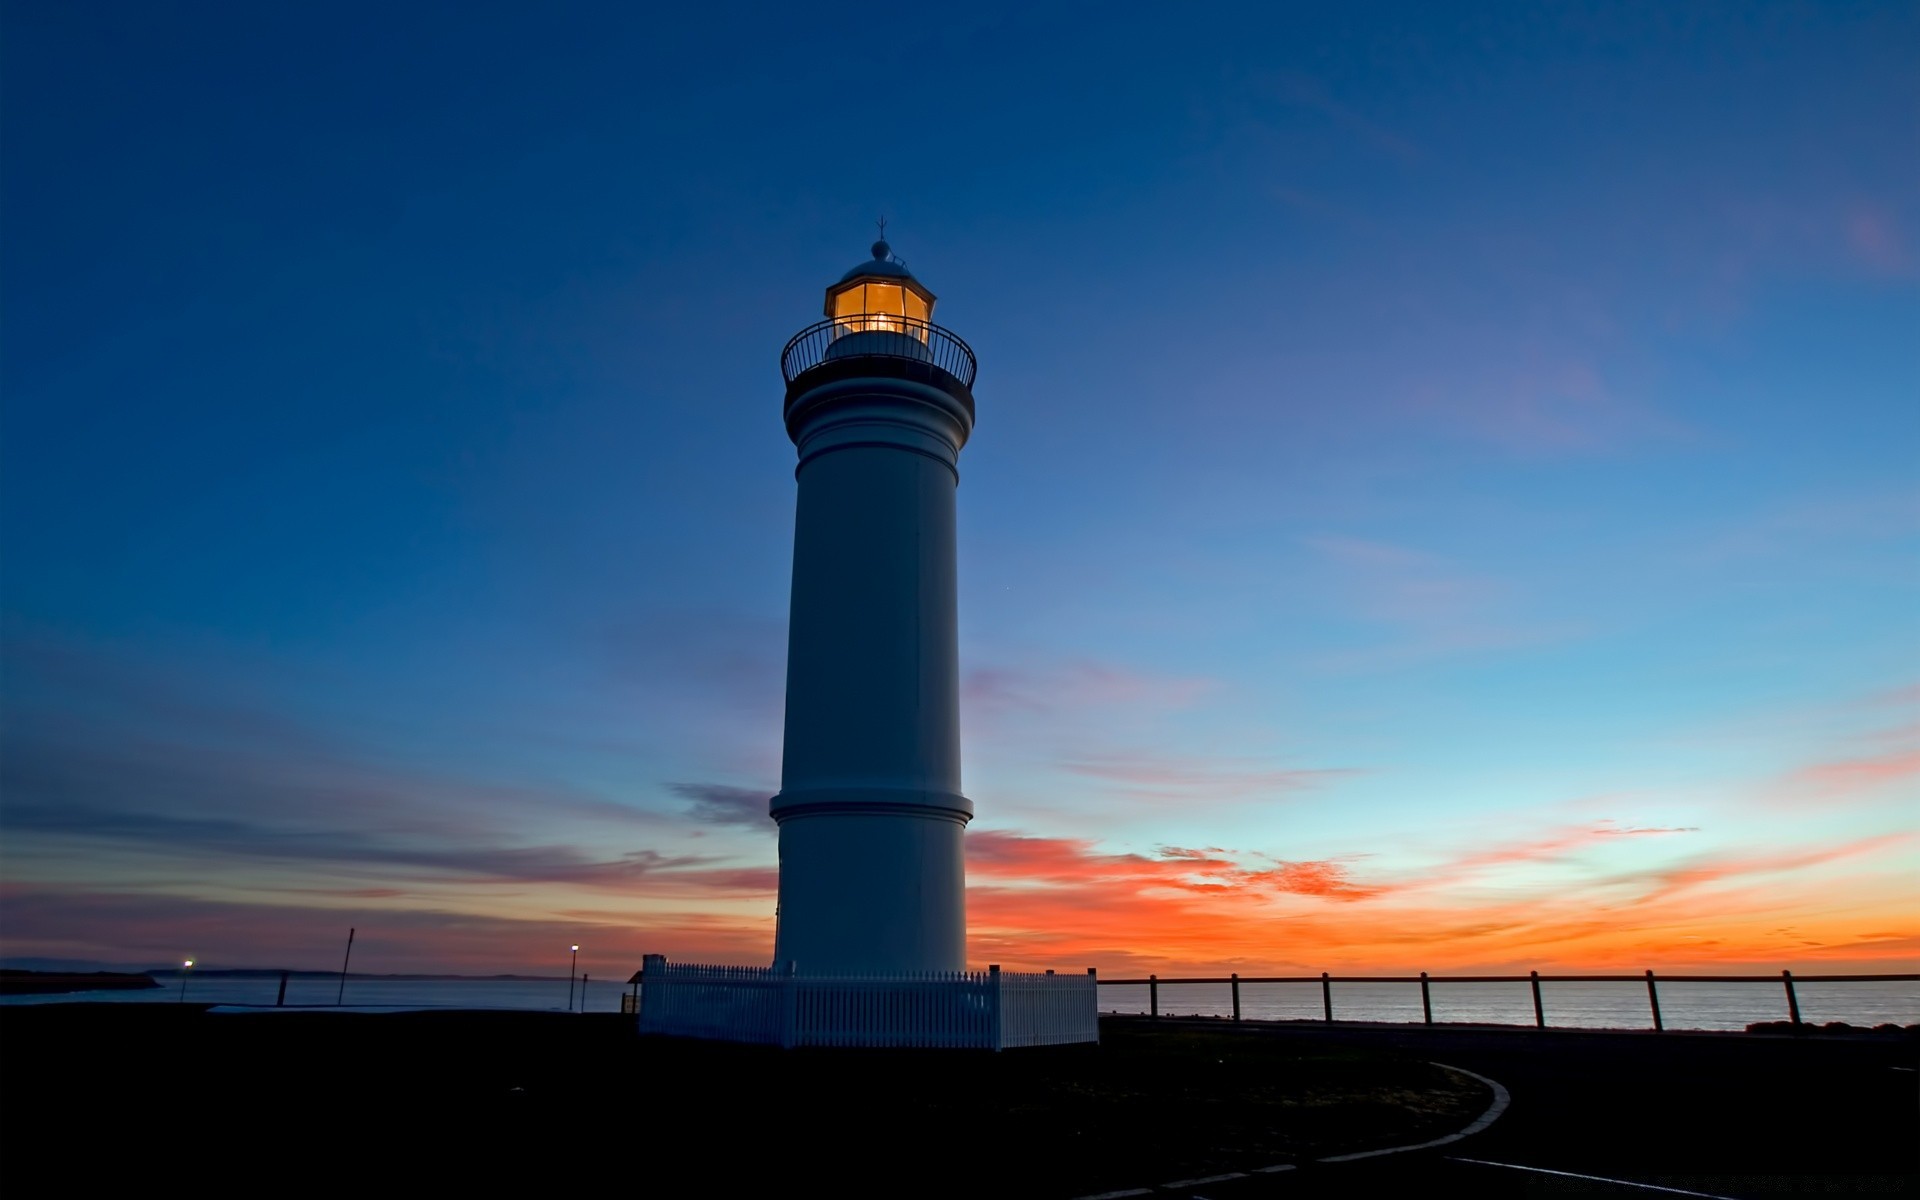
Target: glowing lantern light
x: 880, y: 296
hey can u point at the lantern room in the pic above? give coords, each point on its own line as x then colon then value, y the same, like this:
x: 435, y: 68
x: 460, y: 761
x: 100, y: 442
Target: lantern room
x: 880, y: 296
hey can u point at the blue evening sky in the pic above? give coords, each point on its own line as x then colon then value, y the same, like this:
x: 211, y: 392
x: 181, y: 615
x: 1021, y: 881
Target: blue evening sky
x: 1420, y: 446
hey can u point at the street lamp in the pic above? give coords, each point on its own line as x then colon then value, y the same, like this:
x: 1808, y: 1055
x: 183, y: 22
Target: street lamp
x: 570, y: 968
x: 186, y: 968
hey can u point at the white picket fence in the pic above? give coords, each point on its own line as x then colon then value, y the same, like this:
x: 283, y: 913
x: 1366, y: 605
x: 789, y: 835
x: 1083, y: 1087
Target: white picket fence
x: 991, y: 1009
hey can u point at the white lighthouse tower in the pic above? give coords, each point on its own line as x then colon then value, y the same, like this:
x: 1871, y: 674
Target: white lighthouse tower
x: 871, y: 946
x: 879, y: 403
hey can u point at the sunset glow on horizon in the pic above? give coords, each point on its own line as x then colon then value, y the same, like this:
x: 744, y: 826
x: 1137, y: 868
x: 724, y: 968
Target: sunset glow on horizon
x: 1446, y: 493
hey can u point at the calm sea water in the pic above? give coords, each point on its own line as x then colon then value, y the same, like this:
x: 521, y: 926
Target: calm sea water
x: 1590, y: 1005
x: 533, y: 994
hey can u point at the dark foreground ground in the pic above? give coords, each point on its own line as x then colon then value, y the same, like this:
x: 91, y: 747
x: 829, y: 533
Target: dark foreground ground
x: 560, y: 1101
x: 1719, y: 1114
x: 168, y: 1098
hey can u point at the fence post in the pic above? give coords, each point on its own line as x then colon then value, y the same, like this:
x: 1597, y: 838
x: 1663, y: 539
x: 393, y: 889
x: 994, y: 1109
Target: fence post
x: 1653, y: 1000
x: 653, y: 975
x: 282, y: 997
x: 1093, y: 984
x: 1539, y: 1012
x: 1426, y: 999
x: 1793, y: 1001
x: 1326, y: 995
x: 1236, y: 995
x: 789, y: 1008
x: 993, y: 988
x: 1153, y: 996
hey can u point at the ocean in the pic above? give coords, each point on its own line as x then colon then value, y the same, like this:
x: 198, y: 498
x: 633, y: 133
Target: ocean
x: 537, y: 995
x: 1584, y: 1005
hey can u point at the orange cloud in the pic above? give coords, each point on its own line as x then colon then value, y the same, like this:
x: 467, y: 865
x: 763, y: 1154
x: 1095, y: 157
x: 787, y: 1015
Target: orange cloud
x: 1074, y: 861
x: 1037, y: 901
x: 1858, y: 774
x: 1329, y: 879
x: 1047, y: 901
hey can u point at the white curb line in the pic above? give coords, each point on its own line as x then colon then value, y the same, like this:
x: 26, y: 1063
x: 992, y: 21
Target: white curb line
x: 1645, y: 1187
x: 1501, y: 1098
x: 1187, y: 1183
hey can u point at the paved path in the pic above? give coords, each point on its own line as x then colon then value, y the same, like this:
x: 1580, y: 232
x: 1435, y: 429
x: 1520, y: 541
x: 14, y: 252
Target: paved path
x: 1729, y: 1115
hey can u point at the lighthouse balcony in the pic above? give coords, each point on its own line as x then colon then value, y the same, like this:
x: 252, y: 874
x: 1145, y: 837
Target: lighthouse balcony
x: 876, y: 343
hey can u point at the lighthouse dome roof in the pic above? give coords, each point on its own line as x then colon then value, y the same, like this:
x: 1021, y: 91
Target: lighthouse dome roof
x: 882, y: 264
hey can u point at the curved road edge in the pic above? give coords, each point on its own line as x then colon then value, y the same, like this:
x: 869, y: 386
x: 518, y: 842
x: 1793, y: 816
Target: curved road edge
x: 1501, y: 1098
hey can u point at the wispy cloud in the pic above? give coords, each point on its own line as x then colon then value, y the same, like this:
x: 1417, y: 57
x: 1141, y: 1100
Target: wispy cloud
x: 1438, y: 608
x: 1550, y: 406
x: 1656, y: 885
x: 1006, y: 855
x: 1331, y: 880
x: 1040, y: 899
x: 1907, y: 696
x: 1173, y: 777
x: 722, y: 804
x: 383, y: 854
x: 1075, y: 686
x: 1314, y: 95
x: 1795, y: 526
x: 118, y: 773
x: 1847, y: 776
x: 726, y: 660
x: 417, y: 854
x: 1876, y: 241
x: 1113, y: 725
x: 151, y: 928
x: 1551, y: 847
x: 1836, y: 233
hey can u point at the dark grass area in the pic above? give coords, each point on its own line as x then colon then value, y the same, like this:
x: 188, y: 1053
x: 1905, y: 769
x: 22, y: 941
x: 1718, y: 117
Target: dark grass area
x: 134, y: 1092
x: 1724, y: 1114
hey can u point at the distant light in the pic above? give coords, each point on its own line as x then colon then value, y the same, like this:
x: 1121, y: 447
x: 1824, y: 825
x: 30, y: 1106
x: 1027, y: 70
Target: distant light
x: 187, y: 963
x: 576, y: 947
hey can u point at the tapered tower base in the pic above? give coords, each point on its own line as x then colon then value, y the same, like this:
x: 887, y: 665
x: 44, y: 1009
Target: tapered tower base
x: 866, y: 889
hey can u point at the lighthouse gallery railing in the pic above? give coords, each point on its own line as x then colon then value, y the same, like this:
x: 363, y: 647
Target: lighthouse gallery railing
x: 989, y: 1010
x: 878, y: 335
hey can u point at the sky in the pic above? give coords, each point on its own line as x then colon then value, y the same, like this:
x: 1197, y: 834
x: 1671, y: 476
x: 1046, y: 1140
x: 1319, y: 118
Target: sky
x: 1446, y: 492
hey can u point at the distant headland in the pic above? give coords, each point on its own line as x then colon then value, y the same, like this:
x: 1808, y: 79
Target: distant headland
x: 48, y: 983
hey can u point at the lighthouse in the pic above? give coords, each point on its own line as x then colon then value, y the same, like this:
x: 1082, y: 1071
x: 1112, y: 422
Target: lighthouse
x: 870, y: 945
x: 879, y: 403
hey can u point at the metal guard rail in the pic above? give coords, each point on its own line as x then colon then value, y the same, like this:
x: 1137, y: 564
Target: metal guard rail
x: 882, y: 336
x: 1426, y: 981
x: 1664, y: 978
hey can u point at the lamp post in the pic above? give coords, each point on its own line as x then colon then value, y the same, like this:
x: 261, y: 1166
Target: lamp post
x: 186, y: 969
x: 340, y: 997
x: 570, y: 968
